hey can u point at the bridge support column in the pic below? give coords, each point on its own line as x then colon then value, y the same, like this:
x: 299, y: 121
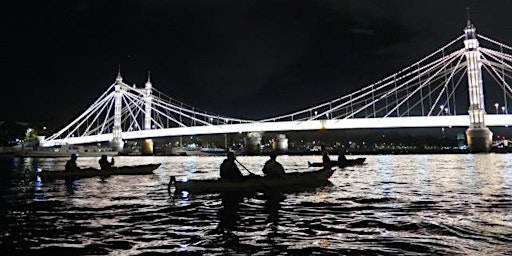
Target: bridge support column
x: 117, y: 144
x: 147, y: 147
x: 479, y: 139
x: 280, y: 143
x: 252, y: 143
x: 117, y: 139
x: 479, y: 136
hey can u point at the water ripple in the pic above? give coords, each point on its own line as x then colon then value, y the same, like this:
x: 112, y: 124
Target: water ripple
x: 393, y: 205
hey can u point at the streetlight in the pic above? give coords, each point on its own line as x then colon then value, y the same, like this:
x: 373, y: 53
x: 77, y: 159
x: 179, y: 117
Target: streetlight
x: 442, y: 108
x: 496, y: 105
x: 503, y: 109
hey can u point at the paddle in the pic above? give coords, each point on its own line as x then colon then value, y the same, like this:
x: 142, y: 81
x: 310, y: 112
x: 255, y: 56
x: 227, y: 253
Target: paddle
x: 250, y: 173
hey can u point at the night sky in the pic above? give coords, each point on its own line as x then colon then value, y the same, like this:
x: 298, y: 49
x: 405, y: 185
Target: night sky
x: 247, y: 59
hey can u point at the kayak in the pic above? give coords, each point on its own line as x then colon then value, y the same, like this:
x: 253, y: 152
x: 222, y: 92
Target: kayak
x: 92, y: 172
x: 348, y: 162
x: 254, y: 183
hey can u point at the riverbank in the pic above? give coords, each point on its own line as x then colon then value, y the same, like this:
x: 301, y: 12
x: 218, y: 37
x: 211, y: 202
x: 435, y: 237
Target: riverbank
x: 394, y: 152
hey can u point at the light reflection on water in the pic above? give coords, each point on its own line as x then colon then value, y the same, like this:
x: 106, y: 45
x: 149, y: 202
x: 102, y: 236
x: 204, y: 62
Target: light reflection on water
x: 394, y: 204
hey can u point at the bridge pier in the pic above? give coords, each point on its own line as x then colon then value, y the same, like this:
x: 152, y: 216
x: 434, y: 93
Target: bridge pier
x: 147, y: 147
x: 280, y: 143
x: 117, y: 144
x: 479, y: 140
x: 252, y: 143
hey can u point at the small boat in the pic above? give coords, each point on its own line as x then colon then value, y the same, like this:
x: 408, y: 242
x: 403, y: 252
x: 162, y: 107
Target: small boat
x: 92, y: 172
x: 348, y: 162
x: 195, y: 150
x: 254, y: 183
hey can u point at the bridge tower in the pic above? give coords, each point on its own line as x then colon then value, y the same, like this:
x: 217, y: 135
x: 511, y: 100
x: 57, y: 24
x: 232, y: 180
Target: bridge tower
x: 117, y: 139
x: 147, y: 146
x: 479, y: 137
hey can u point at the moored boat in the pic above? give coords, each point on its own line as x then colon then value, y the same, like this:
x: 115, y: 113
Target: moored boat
x: 195, y: 150
x: 67, y: 150
x: 253, y: 183
x: 93, y: 172
x: 348, y: 162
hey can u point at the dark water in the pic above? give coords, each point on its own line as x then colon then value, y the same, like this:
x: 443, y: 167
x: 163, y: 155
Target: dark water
x: 393, y: 205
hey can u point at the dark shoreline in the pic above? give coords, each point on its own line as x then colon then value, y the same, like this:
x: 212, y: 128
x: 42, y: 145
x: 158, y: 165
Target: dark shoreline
x: 375, y: 152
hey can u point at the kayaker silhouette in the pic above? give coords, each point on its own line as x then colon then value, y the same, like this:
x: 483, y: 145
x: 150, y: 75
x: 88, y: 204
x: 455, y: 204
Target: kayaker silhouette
x: 70, y: 167
x: 71, y: 163
x: 326, y: 160
x: 342, y: 159
x: 105, y: 164
x: 272, y: 168
x: 229, y: 170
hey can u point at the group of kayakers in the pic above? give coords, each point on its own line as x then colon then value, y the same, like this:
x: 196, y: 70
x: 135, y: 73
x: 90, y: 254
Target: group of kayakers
x: 229, y: 170
x: 326, y: 160
x: 104, y: 163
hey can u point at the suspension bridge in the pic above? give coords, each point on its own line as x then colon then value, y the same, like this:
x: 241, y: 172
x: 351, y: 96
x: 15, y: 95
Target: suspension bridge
x: 420, y: 95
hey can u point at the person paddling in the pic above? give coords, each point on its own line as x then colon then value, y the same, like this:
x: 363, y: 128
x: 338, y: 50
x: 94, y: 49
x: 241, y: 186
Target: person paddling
x: 229, y: 170
x: 342, y: 160
x: 105, y: 164
x: 326, y: 160
x: 272, y: 168
x: 71, y: 164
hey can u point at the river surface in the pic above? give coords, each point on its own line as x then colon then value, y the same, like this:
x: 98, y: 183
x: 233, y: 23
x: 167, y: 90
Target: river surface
x: 392, y: 205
